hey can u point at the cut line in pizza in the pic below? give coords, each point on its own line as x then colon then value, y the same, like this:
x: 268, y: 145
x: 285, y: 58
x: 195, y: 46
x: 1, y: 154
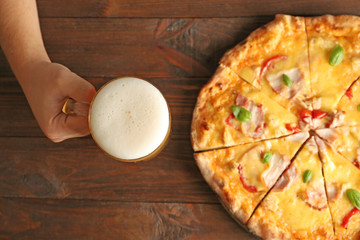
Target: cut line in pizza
x: 276, y: 130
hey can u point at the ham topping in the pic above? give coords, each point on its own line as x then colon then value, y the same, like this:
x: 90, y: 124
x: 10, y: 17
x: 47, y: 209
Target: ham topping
x: 277, y: 84
x: 327, y: 133
x: 316, y: 103
x: 278, y: 164
x: 334, y: 191
x: 316, y: 198
x: 256, y: 125
x: 298, y: 137
x: 321, y: 144
x: 286, y: 179
x: 337, y: 119
x: 241, y: 100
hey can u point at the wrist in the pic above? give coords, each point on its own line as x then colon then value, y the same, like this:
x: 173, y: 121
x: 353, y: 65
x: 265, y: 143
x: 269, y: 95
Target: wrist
x: 25, y: 69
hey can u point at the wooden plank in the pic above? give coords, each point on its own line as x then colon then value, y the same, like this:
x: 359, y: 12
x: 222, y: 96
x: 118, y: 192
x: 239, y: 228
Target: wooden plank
x: 77, y: 169
x: 191, y: 8
x: 16, y: 118
x: 142, y: 47
x: 69, y: 219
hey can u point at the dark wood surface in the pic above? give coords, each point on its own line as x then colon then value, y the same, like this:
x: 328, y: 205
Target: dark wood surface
x: 71, y: 190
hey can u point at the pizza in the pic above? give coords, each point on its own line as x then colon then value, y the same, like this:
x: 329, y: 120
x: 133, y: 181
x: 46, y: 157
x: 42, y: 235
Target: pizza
x: 276, y: 130
x: 346, y: 141
x: 341, y: 175
x: 271, y: 51
x: 235, y: 171
x: 216, y: 125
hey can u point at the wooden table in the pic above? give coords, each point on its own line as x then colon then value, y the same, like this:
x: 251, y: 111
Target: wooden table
x: 71, y: 190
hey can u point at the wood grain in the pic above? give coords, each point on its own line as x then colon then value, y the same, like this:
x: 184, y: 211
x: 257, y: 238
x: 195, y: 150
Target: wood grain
x: 191, y: 8
x: 72, y: 190
x: 147, y: 48
x: 77, y: 169
x: 79, y: 219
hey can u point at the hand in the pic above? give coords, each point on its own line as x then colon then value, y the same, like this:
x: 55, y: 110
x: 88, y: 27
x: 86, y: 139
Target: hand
x: 47, y: 87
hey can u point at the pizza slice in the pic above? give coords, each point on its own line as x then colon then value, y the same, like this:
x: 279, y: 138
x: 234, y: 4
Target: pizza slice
x: 334, y: 58
x: 341, y: 177
x: 345, y: 140
x: 347, y: 112
x: 229, y: 112
x: 296, y: 208
x: 274, y: 59
x: 242, y: 175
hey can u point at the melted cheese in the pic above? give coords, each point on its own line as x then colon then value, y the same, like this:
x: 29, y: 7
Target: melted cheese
x: 285, y: 36
x: 253, y: 167
x: 288, y: 207
x: 295, y: 60
x: 214, y: 107
x: 338, y: 170
x: 330, y: 82
x: 250, y: 75
x: 275, y: 115
x: 346, y: 140
x: 349, y: 106
x: 223, y: 163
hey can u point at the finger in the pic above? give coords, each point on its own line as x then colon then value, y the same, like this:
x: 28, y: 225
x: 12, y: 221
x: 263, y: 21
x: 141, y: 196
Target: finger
x: 69, y: 126
x: 78, y: 88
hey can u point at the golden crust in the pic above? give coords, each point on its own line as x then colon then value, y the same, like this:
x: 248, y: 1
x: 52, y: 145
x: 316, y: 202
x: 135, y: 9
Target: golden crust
x: 270, y: 38
x: 200, y: 135
x: 275, y: 38
x: 337, y: 26
x: 268, y: 228
x: 218, y: 186
x: 264, y: 225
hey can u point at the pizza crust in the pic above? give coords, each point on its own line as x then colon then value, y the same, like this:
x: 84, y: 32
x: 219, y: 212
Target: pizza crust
x: 208, y: 174
x: 268, y: 230
x: 239, y: 69
x: 268, y: 38
x: 200, y: 137
x: 338, y: 26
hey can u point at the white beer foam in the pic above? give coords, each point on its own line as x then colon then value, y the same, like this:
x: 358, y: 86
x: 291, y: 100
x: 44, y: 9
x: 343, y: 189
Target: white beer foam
x: 129, y: 118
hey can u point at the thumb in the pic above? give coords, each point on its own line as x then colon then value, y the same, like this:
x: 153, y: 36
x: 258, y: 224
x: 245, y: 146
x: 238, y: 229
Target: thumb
x: 70, y: 125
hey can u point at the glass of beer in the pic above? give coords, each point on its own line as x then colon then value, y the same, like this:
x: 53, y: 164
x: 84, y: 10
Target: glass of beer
x: 129, y: 119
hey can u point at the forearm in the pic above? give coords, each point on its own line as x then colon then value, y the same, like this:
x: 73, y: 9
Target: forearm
x: 20, y: 36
